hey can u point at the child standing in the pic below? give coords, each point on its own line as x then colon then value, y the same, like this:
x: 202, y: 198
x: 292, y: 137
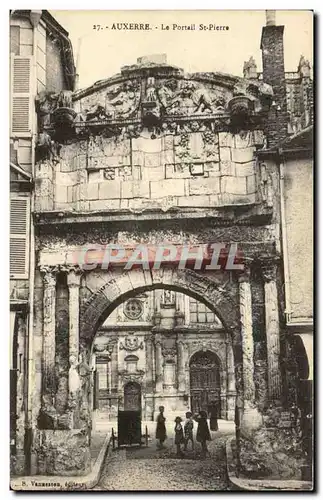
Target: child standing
x: 179, y: 435
x: 188, y: 430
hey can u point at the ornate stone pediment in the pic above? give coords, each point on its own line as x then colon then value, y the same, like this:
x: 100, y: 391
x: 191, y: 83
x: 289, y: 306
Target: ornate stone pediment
x: 157, y: 96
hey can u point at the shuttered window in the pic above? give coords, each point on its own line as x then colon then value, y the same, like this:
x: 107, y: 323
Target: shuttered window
x: 21, y: 96
x: 19, y: 237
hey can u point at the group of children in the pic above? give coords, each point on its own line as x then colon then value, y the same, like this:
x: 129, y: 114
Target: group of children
x: 185, y: 435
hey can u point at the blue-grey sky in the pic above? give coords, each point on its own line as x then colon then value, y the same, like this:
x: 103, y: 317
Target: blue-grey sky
x: 103, y: 52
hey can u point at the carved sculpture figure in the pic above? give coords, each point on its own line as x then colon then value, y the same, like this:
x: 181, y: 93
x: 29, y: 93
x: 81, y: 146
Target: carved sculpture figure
x: 46, y: 148
x: 189, y: 98
x: 85, y: 372
x: 73, y: 376
x: 48, y: 102
x: 151, y: 94
x: 45, y: 102
x: 64, y: 99
x: 123, y: 101
x: 96, y: 112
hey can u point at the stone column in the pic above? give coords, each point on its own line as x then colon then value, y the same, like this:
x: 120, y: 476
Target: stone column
x: 251, y: 418
x: 269, y: 272
x: 109, y: 376
x: 181, y: 365
x: 49, y: 346
x: 247, y: 338
x: 231, y: 385
x: 73, y: 281
x: 159, y: 366
x: 113, y: 350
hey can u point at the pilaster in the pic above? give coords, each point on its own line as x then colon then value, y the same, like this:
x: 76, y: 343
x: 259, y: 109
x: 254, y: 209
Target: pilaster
x: 49, y: 347
x: 269, y: 273
x: 159, y: 365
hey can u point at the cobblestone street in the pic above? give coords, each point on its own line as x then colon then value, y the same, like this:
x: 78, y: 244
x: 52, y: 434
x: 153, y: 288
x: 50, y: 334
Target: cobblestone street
x: 149, y: 469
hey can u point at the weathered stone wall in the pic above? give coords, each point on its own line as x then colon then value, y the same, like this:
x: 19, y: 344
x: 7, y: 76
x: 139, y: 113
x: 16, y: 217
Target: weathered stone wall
x: 55, y: 79
x: 192, y: 169
x: 299, y: 228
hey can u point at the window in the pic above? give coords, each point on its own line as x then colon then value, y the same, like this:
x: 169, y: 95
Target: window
x: 131, y: 363
x: 21, y: 97
x: 169, y: 373
x: 19, y: 236
x: 133, y: 309
x: 199, y: 313
x: 102, y: 371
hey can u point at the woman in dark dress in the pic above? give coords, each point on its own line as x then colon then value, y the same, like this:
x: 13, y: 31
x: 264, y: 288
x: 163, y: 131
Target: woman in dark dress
x: 203, y: 434
x: 213, y: 411
x: 161, y: 428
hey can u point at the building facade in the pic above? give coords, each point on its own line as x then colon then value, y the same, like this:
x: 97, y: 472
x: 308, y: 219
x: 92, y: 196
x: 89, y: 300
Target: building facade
x: 155, y: 156
x: 196, y: 365
x: 41, y: 59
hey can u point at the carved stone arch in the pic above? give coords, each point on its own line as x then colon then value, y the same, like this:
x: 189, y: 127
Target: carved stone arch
x: 224, y: 302
x: 207, y: 348
x: 222, y: 299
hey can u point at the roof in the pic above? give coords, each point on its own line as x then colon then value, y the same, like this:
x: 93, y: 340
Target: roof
x: 62, y: 34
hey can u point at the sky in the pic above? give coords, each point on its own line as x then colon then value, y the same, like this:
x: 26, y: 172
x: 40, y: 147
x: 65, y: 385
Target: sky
x: 101, y: 53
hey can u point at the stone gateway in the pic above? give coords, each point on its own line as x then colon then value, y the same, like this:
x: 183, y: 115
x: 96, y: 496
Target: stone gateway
x: 155, y: 158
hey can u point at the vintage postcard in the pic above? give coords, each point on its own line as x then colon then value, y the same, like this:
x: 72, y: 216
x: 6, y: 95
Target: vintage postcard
x: 161, y: 242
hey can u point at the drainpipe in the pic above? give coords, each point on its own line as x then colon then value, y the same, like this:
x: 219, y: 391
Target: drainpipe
x: 77, y: 65
x: 35, y: 16
x: 284, y: 241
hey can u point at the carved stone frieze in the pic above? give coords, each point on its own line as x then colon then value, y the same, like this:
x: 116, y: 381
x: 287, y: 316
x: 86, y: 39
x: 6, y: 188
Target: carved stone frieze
x: 149, y: 98
x: 98, y: 234
x: 131, y: 377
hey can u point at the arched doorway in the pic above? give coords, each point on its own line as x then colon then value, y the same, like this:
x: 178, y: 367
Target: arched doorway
x: 205, y: 381
x: 132, y: 396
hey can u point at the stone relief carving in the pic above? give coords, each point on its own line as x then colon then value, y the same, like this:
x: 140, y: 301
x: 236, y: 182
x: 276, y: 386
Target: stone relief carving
x: 168, y: 298
x: 159, y: 100
x: 47, y: 149
x: 189, y: 97
x: 266, y: 185
x: 48, y: 103
x: 131, y: 343
x: 118, y: 102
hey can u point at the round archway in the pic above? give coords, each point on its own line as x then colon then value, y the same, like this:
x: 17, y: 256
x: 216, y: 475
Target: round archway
x: 205, y: 384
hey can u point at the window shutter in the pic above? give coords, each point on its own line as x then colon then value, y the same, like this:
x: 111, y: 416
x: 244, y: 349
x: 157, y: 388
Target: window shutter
x: 21, y: 85
x: 19, y: 237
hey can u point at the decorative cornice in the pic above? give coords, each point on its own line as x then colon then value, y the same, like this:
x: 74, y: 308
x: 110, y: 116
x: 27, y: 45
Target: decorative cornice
x: 252, y: 215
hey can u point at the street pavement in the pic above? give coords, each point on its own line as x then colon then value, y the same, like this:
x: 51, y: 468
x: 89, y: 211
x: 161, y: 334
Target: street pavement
x: 151, y: 469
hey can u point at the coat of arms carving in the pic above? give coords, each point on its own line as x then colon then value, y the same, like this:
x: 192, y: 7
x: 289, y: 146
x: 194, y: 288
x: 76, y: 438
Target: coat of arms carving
x: 131, y: 343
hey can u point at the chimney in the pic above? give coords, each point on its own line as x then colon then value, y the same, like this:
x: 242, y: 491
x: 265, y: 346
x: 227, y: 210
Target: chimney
x: 270, y: 17
x: 272, y: 46
x: 153, y: 58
